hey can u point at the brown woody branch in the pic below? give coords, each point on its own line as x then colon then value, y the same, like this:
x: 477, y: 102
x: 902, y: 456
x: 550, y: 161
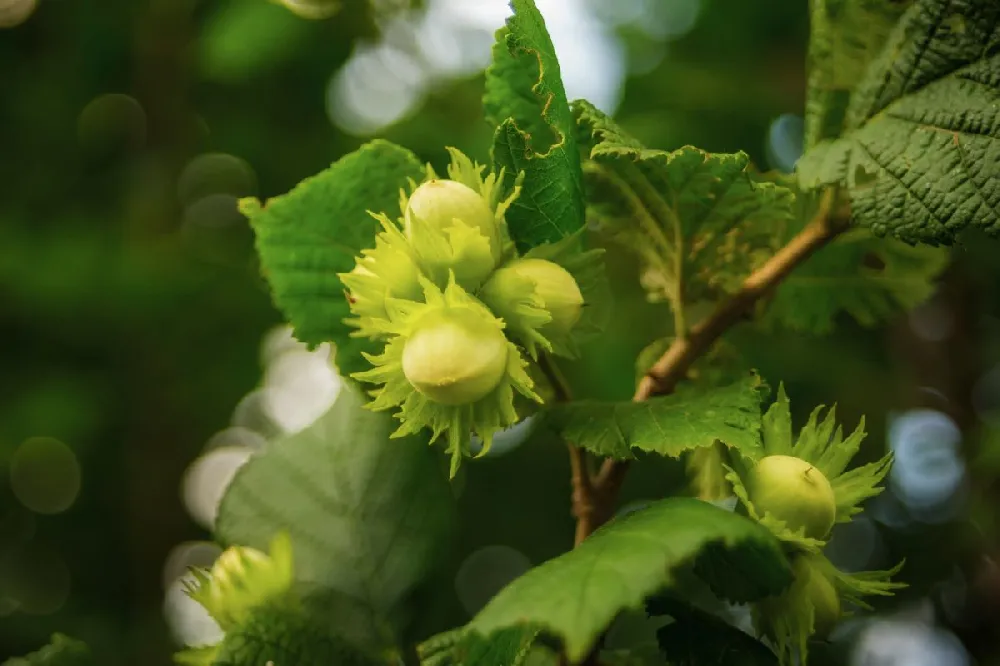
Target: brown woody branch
x: 594, y: 497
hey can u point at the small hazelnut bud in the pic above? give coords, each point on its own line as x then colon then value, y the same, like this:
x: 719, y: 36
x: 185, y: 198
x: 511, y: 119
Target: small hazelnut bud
x: 455, y: 356
x: 795, y: 492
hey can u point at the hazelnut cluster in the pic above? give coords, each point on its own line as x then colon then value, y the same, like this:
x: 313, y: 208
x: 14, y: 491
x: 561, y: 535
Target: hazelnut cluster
x: 461, y: 314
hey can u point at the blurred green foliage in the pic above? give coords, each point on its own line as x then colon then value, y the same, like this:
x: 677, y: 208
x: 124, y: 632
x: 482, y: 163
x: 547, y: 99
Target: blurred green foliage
x: 131, y: 320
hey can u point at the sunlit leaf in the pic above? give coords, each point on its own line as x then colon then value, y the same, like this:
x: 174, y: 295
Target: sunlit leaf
x: 307, y: 236
x: 526, y: 101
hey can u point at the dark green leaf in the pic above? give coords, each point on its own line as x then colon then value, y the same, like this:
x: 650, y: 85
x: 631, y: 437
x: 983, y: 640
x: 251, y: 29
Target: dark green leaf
x: 921, y: 160
x: 307, y: 236
x: 508, y: 647
x: 61, y: 651
x: 526, y: 101
x: 368, y: 516
x: 699, y: 222
x: 668, y: 425
x: 845, y: 36
x: 697, y: 638
x: 869, y: 278
x: 575, y: 596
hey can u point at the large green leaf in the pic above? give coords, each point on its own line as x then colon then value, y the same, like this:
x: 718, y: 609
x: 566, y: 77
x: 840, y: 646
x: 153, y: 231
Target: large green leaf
x: 697, y: 638
x: 307, y: 236
x: 575, y: 596
x: 922, y: 158
x: 61, y: 651
x: 526, y: 101
x: 368, y: 516
x: 845, y: 36
x: 690, y: 418
x: 699, y: 222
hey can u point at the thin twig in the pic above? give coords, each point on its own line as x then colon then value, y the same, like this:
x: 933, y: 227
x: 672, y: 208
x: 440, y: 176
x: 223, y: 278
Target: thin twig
x: 584, y: 501
x: 663, y: 377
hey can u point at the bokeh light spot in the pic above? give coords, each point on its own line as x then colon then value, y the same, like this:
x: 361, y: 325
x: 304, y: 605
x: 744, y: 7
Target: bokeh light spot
x: 932, y: 321
x: 907, y: 642
x: 45, y: 475
x: 187, y: 555
x: 785, y: 141
x: 206, y: 480
x: 189, y: 622
x: 111, y: 122
x: 215, y: 173
x: 300, y: 386
x: 15, y: 12
x: 928, y: 471
x: 486, y: 572
x: 506, y: 440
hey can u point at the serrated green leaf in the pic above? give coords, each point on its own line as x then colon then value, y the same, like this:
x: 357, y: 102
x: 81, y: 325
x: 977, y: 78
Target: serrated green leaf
x: 309, y: 235
x: 921, y: 161
x: 367, y: 516
x: 575, y: 596
x: 697, y: 638
x: 509, y: 647
x: 867, y: 277
x: 845, y: 36
x: 699, y: 222
x: 526, y: 102
x: 61, y: 651
x: 690, y: 418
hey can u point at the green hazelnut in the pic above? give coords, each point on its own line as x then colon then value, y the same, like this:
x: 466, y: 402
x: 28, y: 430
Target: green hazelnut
x: 440, y: 202
x: 553, y: 285
x: 821, y: 593
x: 794, y: 491
x: 455, y: 356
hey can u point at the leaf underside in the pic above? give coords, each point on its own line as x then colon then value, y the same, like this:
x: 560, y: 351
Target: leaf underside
x: 699, y: 222
x: 368, y: 516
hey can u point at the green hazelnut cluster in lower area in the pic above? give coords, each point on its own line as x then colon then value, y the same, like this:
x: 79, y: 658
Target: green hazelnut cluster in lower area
x: 799, y: 490
x: 253, y: 598
x: 460, y: 315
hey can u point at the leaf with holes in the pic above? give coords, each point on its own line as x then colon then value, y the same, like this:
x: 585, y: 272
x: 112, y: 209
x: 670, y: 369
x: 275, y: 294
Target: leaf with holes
x: 368, y: 516
x: 869, y: 278
x: 699, y: 222
x: 526, y: 102
x: 921, y: 159
x: 309, y: 235
x: 668, y: 425
x: 575, y: 596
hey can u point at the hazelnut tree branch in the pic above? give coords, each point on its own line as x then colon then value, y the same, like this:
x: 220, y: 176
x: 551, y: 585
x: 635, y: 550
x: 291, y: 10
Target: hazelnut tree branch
x: 598, y: 494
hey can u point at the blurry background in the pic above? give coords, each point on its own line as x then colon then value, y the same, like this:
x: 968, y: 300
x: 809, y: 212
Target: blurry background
x: 141, y: 361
